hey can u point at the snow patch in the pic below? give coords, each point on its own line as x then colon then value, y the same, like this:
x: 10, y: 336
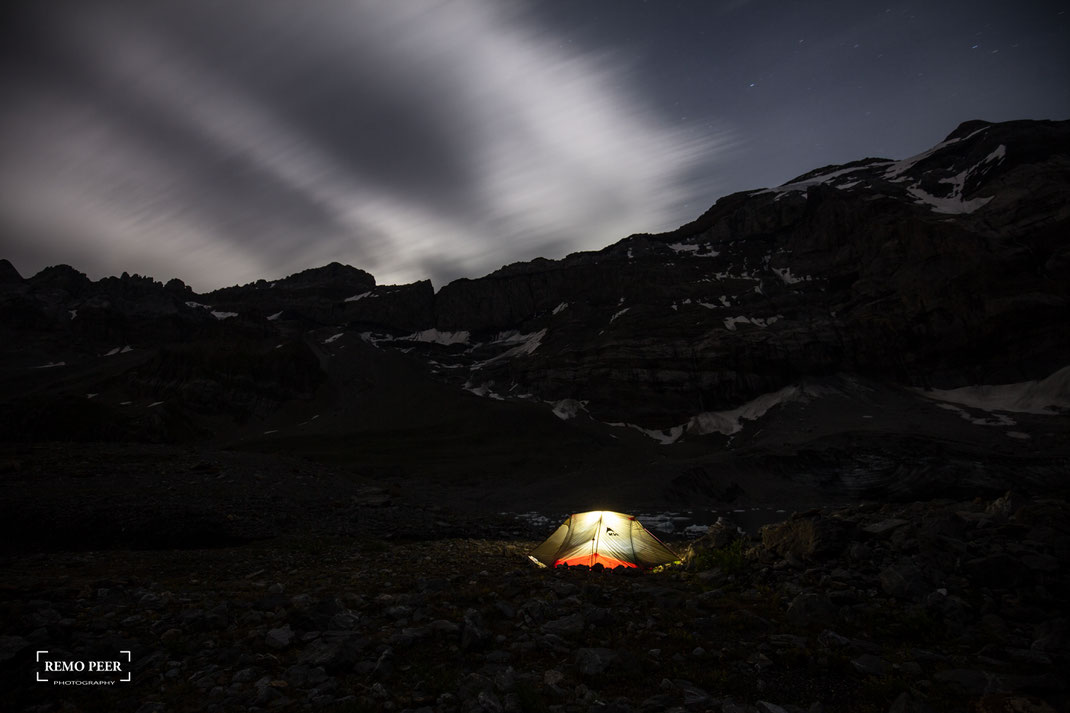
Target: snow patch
x: 434, y: 336
x: 821, y: 178
x: 51, y: 365
x: 216, y: 314
x: 664, y: 437
x: 731, y: 322
x: 957, y: 181
x: 73, y: 313
x: 897, y: 168
x: 996, y: 420
x: 1047, y: 396
x: 560, y: 308
x: 731, y: 421
x: 483, y: 390
x: 728, y: 276
x: 374, y: 339
x: 273, y: 317
x: 119, y: 350
x: 528, y: 343
x: 786, y: 191
x: 618, y: 314
x: 953, y: 204
x: 361, y: 296
x: 784, y: 273
x: 998, y: 155
x: 333, y: 338
x: 154, y: 404
x: 694, y: 249
x: 513, y: 336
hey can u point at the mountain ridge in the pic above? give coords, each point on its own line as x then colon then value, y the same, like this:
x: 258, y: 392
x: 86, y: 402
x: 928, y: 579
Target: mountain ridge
x: 848, y: 288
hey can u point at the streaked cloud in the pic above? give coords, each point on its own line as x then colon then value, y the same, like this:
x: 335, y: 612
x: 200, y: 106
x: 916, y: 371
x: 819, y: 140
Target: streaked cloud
x: 226, y: 141
x: 411, y: 139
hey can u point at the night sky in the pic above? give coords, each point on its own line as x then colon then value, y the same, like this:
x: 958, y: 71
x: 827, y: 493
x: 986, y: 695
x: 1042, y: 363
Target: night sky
x: 221, y: 141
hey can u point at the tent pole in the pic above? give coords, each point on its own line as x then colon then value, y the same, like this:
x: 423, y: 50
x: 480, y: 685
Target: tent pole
x: 631, y: 538
x: 597, y: 534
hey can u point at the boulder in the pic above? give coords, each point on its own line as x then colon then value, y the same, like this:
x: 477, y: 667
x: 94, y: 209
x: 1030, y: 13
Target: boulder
x: 904, y: 580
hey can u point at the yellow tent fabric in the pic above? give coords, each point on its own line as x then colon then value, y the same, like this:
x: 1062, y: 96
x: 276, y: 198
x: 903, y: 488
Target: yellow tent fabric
x: 604, y: 537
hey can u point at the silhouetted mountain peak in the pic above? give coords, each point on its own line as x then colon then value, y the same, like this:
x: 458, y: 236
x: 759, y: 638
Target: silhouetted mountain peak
x: 966, y: 128
x: 8, y: 273
x: 62, y: 277
x: 333, y: 273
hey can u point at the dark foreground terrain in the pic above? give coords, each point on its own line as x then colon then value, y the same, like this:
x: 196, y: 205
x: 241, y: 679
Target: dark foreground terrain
x: 243, y: 582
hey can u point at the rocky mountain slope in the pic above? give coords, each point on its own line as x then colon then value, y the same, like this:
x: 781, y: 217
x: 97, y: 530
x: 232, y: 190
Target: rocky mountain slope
x: 843, y: 333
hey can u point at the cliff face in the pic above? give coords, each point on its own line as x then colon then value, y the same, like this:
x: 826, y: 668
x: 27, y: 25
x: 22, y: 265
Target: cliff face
x: 942, y: 270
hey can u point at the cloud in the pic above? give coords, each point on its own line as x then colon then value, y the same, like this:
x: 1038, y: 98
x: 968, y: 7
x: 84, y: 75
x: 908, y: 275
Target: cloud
x: 257, y: 139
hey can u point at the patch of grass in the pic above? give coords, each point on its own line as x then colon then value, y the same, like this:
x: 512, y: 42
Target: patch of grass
x: 667, y: 567
x: 731, y: 559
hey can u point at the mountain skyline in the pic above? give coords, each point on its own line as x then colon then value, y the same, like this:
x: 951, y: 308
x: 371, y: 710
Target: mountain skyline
x: 225, y: 144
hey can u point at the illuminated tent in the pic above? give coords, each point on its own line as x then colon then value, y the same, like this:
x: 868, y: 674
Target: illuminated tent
x: 611, y: 539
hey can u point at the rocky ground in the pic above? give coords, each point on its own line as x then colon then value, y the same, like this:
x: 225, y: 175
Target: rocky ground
x: 379, y: 604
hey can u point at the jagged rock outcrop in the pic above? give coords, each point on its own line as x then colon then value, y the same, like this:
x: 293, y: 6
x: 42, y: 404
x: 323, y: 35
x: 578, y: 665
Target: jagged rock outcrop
x: 333, y: 281
x: 314, y: 296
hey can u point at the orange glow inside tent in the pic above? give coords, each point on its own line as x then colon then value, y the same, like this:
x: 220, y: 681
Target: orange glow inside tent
x: 604, y: 537
x: 593, y: 559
